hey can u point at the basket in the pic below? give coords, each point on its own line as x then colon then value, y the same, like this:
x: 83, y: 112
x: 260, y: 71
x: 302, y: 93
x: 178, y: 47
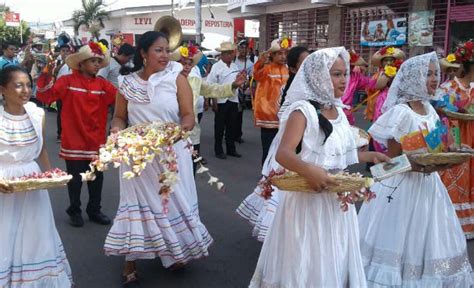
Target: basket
x: 438, y: 159
x: 459, y: 116
x: 36, y: 184
x: 293, y: 182
x: 361, y: 135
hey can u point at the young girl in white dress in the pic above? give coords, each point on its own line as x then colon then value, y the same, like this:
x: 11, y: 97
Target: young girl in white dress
x: 31, y: 252
x: 312, y: 242
x: 142, y: 229
x: 410, y: 235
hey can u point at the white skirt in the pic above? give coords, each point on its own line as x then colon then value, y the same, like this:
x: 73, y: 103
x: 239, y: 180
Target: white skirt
x: 311, y: 243
x: 31, y: 252
x: 416, y: 239
x: 259, y: 212
x: 142, y: 231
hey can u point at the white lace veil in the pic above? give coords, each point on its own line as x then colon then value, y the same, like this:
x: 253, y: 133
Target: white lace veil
x: 410, y: 82
x: 313, y: 81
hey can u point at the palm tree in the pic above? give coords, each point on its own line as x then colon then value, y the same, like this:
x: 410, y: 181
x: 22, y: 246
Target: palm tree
x: 92, y: 16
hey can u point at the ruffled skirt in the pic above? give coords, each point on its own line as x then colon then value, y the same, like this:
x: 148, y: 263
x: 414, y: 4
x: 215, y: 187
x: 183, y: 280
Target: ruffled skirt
x: 142, y: 231
x: 311, y: 243
x: 416, y: 239
x: 31, y: 252
x: 259, y: 212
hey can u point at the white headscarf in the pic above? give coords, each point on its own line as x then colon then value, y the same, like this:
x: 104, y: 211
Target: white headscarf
x: 410, y: 82
x: 313, y: 80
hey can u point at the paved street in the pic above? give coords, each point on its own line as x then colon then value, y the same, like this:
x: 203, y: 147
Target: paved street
x: 233, y: 255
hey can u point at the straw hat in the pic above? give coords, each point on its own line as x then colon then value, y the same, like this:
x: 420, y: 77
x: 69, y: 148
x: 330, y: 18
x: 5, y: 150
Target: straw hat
x: 91, y: 50
x: 226, y: 46
x: 386, y: 52
x: 448, y: 62
x: 186, y: 52
x: 356, y: 59
x: 279, y: 44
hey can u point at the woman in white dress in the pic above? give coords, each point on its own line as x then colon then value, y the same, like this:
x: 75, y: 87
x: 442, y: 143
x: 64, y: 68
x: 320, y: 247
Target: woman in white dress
x: 312, y: 242
x: 141, y: 229
x: 410, y: 235
x: 31, y: 252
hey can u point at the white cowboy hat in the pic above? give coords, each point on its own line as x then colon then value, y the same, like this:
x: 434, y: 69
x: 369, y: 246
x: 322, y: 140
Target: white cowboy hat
x: 176, y: 56
x: 445, y: 64
x: 91, y: 50
x: 276, y: 45
x: 226, y: 46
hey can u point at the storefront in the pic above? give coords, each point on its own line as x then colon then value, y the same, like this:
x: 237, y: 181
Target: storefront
x: 306, y: 23
x: 359, y: 17
x: 461, y: 22
x: 217, y: 25
x: 316, y: 23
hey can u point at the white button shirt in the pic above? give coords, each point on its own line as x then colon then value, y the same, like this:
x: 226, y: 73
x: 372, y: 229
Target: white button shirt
x: 241, y: 65
x: 223, y: 74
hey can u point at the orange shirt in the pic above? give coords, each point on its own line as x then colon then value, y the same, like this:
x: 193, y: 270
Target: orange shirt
x: 459, y: 180
x: 271, y: 80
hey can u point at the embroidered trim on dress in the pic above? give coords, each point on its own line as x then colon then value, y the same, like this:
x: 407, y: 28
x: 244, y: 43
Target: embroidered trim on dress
x: 431, y: 267
x: 17, y: 130
x: 133, y: 90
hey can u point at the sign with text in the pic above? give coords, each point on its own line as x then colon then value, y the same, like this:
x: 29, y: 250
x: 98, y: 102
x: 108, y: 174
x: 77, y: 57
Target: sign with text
x: 142, y: 20
x: 12, y: 19
x: 191, y: 23
x: 388, y: 32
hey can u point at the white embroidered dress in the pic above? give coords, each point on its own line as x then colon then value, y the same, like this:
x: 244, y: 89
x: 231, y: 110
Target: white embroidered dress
x: 141, y: 230
x: 311, y: 241
x: 415, y: 240
x: 31, y: 251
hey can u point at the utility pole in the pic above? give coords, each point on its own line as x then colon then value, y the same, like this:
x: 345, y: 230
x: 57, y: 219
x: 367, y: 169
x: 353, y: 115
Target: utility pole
x: 172, y: 8
x: 197, y: 9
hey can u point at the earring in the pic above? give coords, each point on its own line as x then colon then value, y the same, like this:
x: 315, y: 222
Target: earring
x: 144, y: 61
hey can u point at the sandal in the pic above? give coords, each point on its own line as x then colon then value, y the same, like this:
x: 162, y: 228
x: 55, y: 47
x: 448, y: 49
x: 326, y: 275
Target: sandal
x: 177, y: 266
x: 130, y: 280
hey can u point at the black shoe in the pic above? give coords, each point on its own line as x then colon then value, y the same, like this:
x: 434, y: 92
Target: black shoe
x: 100, y: 218
x: 203, y: 161
x: 240, y: 141
x: 76, y: 220
x: 221, y: 156
x: 234, y: 154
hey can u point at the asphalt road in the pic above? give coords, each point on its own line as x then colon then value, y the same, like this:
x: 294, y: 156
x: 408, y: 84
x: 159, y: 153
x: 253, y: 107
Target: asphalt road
x: 232, y: 257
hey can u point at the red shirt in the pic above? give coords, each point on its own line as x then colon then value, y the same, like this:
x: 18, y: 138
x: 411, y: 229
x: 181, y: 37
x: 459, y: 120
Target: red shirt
x: 85, y: 102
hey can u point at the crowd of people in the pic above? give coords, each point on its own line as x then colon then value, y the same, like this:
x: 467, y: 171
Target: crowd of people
x: 303, y: 103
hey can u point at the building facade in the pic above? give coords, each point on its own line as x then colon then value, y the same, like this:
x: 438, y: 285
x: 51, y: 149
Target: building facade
x: 132, y: 22
x: 326, y: 23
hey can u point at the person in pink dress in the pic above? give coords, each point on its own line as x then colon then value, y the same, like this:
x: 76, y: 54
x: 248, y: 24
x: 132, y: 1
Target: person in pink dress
x: 358, y: 81
x: 388, y: 59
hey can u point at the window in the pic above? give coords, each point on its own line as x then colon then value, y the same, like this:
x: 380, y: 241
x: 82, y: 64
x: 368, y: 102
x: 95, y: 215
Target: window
x: 307, y: 28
